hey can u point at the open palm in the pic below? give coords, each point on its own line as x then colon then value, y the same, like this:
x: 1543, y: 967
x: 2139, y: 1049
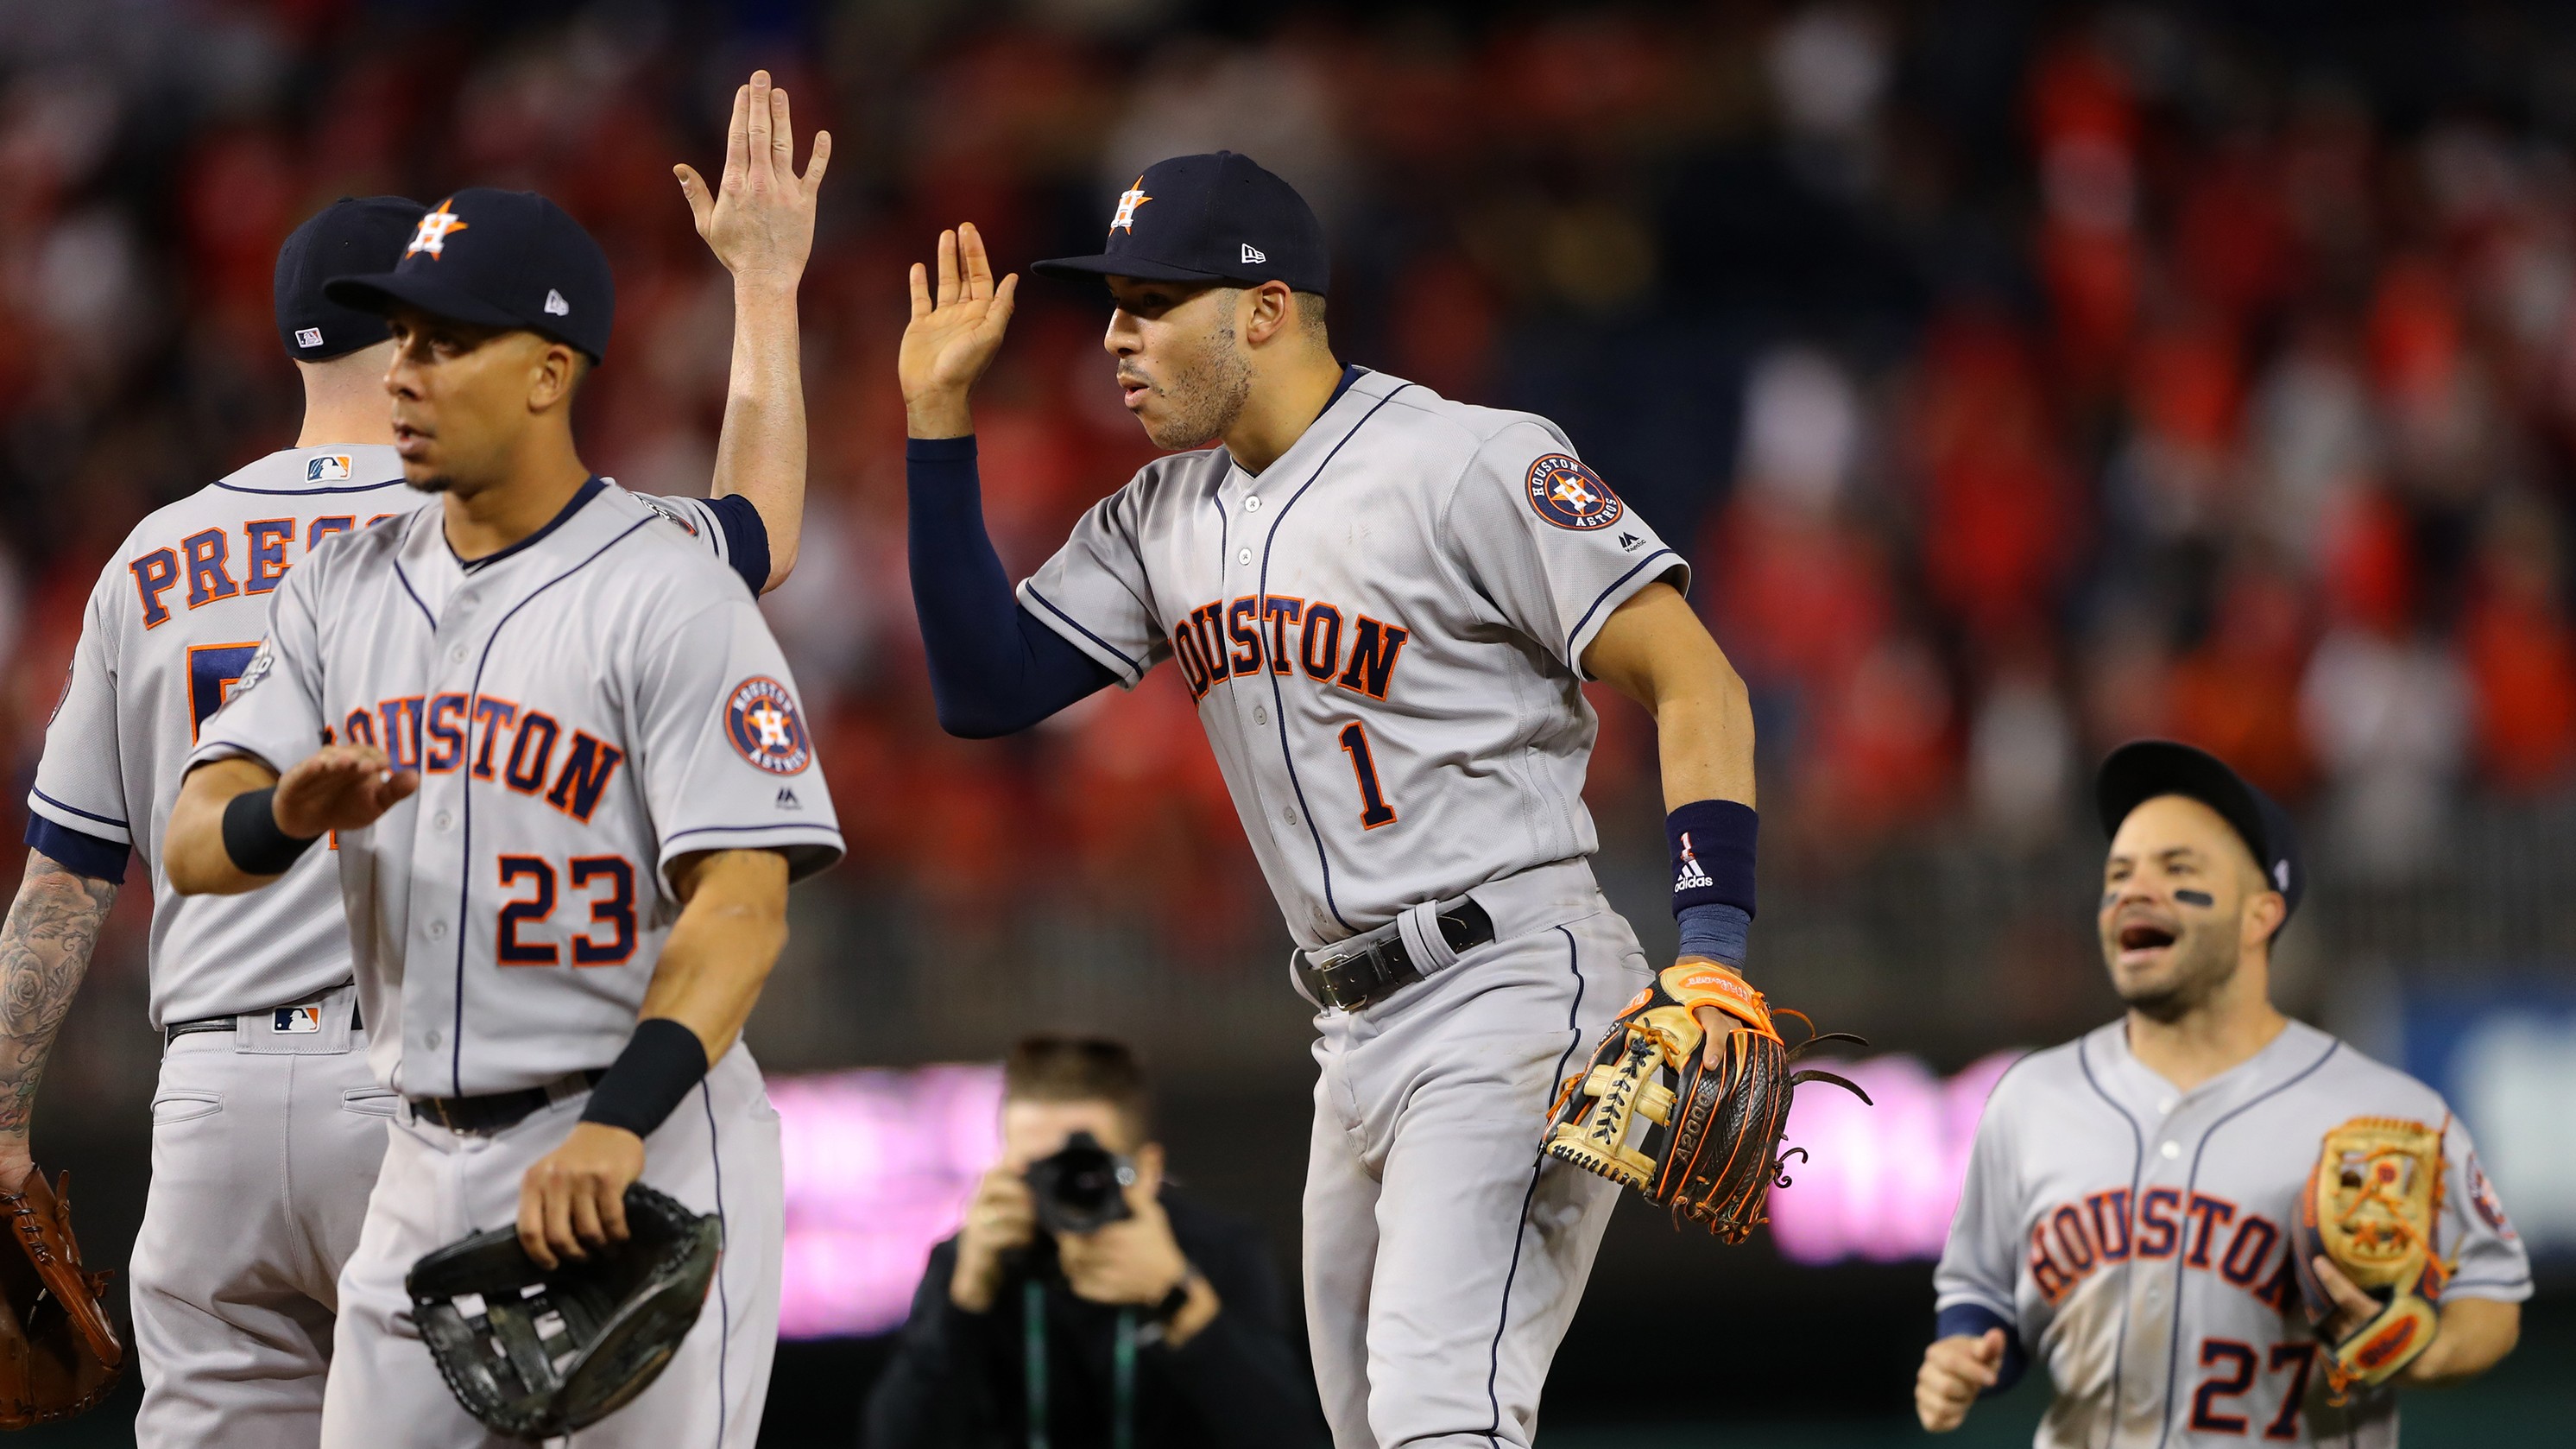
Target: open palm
x: 955, y: 330
x: 759, y: 221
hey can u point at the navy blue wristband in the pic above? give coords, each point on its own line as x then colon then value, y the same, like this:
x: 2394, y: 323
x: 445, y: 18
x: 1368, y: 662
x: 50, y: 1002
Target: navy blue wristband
x: 1712, y: 844
x: 1716, y: 930
x: 663, y: 1062
x: 253, y: 838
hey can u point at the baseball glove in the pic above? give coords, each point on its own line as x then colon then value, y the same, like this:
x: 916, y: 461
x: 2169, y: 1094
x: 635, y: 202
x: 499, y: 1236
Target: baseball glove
x: 1703, y: 1141
x: 2371, y: 1207
x: 59, y: 1354
x: 533, y: 1354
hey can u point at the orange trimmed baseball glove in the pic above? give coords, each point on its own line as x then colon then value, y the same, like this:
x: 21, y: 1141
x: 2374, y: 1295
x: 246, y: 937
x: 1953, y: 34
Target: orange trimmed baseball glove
x: 1650, y: 1114
x: 2372, y: 1205
x: 59, y: 1354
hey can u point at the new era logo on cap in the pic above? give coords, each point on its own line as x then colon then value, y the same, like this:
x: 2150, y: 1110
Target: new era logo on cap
x: 556, y: 306
x: 1253, y: 253
x: 308, y: 336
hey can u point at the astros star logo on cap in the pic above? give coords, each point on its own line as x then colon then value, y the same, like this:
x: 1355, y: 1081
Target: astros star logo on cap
x: 434, y: 228
x: 1128, y: 200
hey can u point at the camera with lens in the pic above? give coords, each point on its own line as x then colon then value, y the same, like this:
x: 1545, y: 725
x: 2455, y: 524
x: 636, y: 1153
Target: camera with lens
x: 1081, y: 1189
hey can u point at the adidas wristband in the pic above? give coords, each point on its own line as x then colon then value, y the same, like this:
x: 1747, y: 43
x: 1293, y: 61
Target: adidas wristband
x: 1712, y: 844
x: 252, y: 837
x: 663, y: 1062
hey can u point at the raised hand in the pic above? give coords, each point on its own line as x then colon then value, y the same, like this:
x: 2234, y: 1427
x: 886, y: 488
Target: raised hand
x: 339, y: 787
x: 955, y: 331
x: 759, y: 221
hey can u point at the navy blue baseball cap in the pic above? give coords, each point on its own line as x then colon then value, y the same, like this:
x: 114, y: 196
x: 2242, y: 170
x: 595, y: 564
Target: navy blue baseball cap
x: 2144, y: 769
x: 352, y: 235
x: 498, y: 259
x: 1211, y: 218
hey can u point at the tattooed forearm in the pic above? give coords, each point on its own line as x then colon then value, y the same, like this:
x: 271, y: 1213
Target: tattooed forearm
x: 44, y: 950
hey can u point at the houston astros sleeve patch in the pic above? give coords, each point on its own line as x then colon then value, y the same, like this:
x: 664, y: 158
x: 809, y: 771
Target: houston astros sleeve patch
x: 1570, y: 495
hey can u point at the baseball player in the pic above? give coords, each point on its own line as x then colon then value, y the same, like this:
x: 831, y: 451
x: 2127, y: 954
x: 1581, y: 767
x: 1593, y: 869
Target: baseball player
x: 2131, y: 1199
x: 1385, y: 605
x: 569, y: 783
x: 235, y: 1267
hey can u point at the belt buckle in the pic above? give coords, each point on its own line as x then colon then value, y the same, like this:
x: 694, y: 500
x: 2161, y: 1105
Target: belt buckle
x: 1374, y: 955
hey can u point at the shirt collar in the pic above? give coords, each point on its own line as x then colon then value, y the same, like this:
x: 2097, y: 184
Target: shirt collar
x: 589, y: 489
x: 1325, y: 426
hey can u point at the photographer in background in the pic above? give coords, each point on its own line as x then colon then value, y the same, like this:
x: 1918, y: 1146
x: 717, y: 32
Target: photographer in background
x: 1082, y: 1302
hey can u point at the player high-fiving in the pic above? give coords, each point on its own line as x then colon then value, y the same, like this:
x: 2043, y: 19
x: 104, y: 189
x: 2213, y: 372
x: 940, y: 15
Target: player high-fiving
x: 1384, y: 604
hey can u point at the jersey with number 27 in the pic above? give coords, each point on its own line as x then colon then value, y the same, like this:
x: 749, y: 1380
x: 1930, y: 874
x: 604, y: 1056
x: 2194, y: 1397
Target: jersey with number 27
x: 171, y: 624
x: 2138, y: 1239
x: 1384, y: 632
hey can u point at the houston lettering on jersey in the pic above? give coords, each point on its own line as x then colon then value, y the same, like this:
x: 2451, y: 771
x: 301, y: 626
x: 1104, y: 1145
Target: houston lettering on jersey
x: 527, y: 750
x: 215, y: 563
x: 1230, y: 640
x: 2070, y: 1242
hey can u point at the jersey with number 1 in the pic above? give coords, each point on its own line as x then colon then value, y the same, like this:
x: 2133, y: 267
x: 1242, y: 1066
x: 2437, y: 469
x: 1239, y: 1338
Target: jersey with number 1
x: 2138, y: 1238
x: 1383, y: 631
x: 172, y: 622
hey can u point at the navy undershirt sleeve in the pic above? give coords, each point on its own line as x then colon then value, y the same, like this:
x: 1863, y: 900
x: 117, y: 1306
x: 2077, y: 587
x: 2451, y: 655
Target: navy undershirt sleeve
x: 75, y: 852
x: 995, y: 669
x: 1972, y: 1320
x: 746, y: 539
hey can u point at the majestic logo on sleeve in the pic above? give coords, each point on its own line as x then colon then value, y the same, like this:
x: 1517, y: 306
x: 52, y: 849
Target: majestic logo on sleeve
x: 435, y: 228
x: 1570, y: 495
x: 1128, y: 200
x: 761, y: 720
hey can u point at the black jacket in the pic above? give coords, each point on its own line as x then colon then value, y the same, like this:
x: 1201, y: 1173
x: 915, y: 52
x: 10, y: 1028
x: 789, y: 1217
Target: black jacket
x: 959, y: 1380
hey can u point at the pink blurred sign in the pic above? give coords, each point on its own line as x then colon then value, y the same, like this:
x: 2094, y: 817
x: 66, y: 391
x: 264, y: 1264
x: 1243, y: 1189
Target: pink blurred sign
x: 1880, y: 1182
x: 879, y: 1165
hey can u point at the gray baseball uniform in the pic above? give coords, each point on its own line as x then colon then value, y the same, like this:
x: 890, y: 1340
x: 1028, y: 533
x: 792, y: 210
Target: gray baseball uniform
x: 585, y: 708
x: 1383, y: 632
x: 2136, y: 1239
x: 267, y: 1131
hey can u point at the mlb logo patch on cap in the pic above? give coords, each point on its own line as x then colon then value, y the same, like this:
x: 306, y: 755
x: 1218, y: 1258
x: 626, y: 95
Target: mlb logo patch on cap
x: 308, y: 336
x: 298, y: 1020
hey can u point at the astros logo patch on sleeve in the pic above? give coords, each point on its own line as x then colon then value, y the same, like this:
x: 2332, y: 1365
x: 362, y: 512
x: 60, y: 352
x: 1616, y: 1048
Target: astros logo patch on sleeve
x: 761, y: 720
x: 1570, y: 495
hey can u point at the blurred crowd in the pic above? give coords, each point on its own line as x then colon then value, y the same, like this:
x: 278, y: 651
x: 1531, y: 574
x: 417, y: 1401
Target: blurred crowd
x: 2023, y: 380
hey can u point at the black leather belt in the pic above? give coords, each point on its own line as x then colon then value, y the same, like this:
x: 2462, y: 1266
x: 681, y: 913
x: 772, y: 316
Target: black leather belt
x: 492, y: 1112
x: 178, y: 1029
x: 1350, y: 975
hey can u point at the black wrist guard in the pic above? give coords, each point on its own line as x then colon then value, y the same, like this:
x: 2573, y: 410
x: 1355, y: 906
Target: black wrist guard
x: 252, y: 837
x: 662, y: 1063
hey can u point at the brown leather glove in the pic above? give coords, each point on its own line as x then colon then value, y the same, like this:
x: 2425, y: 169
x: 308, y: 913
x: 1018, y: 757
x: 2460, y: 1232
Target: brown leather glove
x: 1647, y: 1112
x: 59, y: 1354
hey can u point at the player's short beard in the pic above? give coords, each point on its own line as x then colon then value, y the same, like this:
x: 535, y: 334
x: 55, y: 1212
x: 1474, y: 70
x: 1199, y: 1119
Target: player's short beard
x: 2201, y: 961
x: 435, y: 483
x: 1206, y: 396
